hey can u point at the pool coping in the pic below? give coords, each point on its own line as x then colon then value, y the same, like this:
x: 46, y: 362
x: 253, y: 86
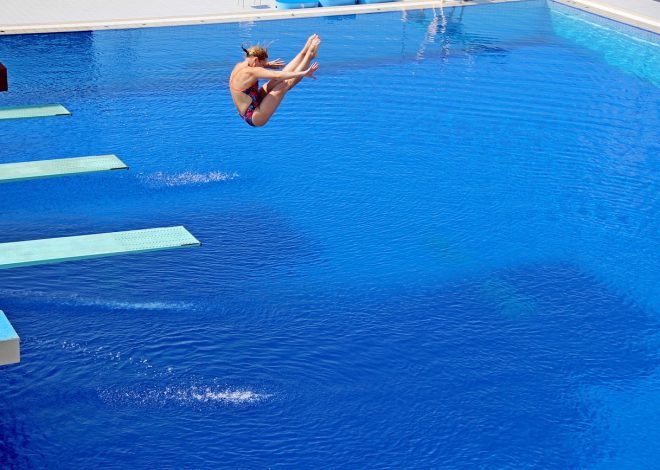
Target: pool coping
x: 622, y: 16
x: 243, y: 16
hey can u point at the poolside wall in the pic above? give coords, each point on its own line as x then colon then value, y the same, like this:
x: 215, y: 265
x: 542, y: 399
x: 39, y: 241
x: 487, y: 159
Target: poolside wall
x: 622, y: 46
x: 647, y: 20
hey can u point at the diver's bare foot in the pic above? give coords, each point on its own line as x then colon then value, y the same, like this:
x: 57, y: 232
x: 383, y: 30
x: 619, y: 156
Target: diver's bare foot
x: 314, y: 47
x: 308, y: 44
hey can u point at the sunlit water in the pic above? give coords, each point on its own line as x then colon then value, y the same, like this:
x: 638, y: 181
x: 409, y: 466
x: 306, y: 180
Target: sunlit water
x: 442, y: 253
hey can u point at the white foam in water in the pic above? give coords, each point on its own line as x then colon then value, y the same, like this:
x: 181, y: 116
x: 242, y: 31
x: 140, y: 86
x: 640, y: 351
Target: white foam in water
x: 75, y: 300
x: 103, y: 355
x: 137, y: 305
x: 183, y: 395
x: 236, y: 396
x: 186, y: 178
x: 186, y: 394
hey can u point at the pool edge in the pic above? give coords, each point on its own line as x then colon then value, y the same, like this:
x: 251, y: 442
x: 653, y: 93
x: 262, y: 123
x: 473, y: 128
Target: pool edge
x: 241, y: 17
x: 639, y: 21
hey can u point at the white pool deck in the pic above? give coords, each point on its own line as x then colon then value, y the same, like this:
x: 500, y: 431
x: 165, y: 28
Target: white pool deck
x: 41, y: 16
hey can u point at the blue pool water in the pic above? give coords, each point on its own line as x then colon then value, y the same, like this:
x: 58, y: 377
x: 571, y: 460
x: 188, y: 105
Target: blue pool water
x: 443, y: 253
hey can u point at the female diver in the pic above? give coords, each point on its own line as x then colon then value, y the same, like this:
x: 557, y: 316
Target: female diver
x: 256, y: 105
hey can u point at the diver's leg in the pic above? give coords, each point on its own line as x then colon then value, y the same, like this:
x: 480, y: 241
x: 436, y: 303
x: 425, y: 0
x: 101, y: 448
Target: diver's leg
x: 305, y: 63
x: 273, y: 99
x: 269, y: 103
x: 295, y: 62
x: 300, y: 62
x: 291, y: 66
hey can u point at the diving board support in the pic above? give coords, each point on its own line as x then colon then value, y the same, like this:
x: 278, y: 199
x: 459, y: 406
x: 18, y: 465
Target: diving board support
x: 59, y: 167
x: 10, y: 348
x: 56, y: 250
x: 46, y: 110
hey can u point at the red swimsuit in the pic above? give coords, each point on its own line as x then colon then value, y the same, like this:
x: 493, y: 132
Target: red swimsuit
x: 252, y: 92
x: 255, y: 95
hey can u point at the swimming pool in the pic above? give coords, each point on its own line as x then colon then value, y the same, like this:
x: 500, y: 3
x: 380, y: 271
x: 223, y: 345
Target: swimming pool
x: 443, y: 253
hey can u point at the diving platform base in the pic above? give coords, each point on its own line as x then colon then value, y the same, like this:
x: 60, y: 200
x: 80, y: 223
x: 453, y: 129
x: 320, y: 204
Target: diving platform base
x: 10, y: 349
x: 55, y: 250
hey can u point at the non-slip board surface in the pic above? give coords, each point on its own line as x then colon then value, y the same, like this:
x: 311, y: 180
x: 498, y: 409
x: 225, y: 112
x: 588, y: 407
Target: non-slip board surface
x: 21, y: 112
x: 55, y: 250
x: 59, y: 167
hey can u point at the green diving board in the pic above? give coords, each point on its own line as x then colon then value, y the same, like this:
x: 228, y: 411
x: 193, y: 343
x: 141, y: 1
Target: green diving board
x: 46, y: 110
x: 59, y: 167
x: 10, y: 350
x: 56, y: 250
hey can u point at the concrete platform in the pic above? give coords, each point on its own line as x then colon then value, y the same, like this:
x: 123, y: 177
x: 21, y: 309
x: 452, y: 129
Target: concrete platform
x: 10, y: 349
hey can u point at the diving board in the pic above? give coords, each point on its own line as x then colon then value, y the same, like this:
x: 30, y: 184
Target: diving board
x: 56, y: 250
x: 59, y: 167
x: 10, y: 350
x: 21, y: 112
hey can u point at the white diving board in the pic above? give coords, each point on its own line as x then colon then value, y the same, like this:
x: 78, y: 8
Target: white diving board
x: 10, y: 350
x: 46, y: 110
x: 59, y: 167
x: 56, y: 250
